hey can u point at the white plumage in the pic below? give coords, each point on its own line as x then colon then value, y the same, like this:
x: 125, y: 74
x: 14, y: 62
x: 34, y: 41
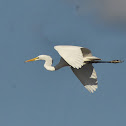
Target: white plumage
x: 91, y: 88
x: 93, y: 75
x: 71, y: 54
x: 80, y: 60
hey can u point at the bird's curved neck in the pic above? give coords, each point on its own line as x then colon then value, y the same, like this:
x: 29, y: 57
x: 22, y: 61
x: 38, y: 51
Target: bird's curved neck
x: 48, y: 63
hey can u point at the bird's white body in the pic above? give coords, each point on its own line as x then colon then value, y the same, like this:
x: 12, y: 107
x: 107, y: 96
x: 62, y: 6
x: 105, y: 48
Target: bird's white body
x: 80, y: 60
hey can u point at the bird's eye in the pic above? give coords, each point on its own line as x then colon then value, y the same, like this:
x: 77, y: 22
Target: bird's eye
x: 37, y: 57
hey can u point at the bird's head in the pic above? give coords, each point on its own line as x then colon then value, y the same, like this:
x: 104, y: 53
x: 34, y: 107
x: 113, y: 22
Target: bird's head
x: 40, y: 57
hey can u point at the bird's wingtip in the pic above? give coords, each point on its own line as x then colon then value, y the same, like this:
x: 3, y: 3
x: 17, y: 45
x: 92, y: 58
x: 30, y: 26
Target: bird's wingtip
x: 91, y: 88
x: 55, y: 47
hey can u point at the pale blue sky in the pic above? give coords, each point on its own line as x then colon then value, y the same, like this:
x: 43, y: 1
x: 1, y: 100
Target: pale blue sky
x: 33, y: 96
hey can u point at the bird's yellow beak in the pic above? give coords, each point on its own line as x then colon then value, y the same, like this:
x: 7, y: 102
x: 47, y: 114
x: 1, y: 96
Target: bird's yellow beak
x: 32, y: 59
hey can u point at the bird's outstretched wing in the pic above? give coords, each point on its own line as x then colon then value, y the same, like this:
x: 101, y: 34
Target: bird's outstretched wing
x: 74, y: 55
x: 87, y: 76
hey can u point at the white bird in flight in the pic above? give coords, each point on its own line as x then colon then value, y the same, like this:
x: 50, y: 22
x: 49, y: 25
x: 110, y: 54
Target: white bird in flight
x: 80, y: 60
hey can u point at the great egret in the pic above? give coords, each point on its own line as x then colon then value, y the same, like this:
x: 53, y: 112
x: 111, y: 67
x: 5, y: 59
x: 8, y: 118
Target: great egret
x: 80, y: 61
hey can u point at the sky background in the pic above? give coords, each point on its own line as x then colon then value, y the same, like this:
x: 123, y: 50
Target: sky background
x: 32, y: 96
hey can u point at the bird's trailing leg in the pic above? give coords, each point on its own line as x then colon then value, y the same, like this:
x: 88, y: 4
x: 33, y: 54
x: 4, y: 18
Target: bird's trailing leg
x: 117, y: 61
x: 113, y: 61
